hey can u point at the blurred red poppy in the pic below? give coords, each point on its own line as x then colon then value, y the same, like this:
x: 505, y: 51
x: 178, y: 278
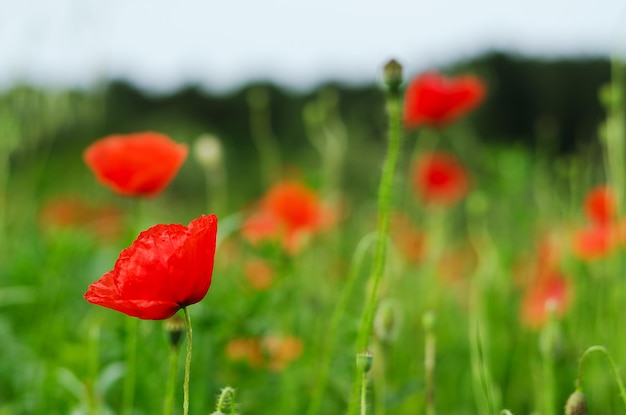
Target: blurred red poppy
x: 440, y: 178
x: 434, y: 100
x: 166, y: 268
x: 594, y: 241
x: 549, y: 291
x: 140, y: 164
x: 290, y: 212
x: 600, y: 205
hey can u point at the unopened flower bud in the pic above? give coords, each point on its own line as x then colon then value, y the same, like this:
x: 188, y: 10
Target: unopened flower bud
x: 428, y: 321
x: 174, y: 326
x: 392, y: 74
x: 388, y: 320
x: 364, y: 361
x: 208, y: 151
x: 576, y: 404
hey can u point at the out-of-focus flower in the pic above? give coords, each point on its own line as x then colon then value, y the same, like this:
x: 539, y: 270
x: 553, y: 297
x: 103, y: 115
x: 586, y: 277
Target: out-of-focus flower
x: 600, y: 205
x: 166, y: 268
x: 290, y: 212
x: 282, y: 350
x: 272, y: 352
x: 139, y: 164
x: 245, y: 349
x: 549, y: 292
x: 439, y: 178
x: 457, y: 263
x: 594, y: 241
x: 434, y: 100
x: 601, y: 235
x: 259, y: 273
x: 105, y: 222
x: 208, y: 151
x: 407, y: 238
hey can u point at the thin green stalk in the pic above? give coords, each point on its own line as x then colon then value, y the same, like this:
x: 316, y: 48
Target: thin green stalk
x: 483, y: 389
x: 187, y: 363
x: 614, y: 370
x: 430, y: 349
x: 385, y: 192
x: 548, y: 339
x: 128, y: 394
x: 168, y: 405
x: 363, y: 393
x: 325, y: 362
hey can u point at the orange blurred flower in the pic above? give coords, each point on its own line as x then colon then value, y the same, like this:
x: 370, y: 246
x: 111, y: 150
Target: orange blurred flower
x: 440, y: 178
x: 548, y: 291
x: 139, y: 164
x: 290, y: 212
x: 282, y: 351
x: 434, y: 100
x: 248, y: 350
x: 103, y: 221
x: 407, y: 238
x: 259, y: 273
x: 272, y: 352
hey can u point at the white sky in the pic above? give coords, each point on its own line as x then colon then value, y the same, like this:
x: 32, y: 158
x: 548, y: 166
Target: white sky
x: 220, y: 44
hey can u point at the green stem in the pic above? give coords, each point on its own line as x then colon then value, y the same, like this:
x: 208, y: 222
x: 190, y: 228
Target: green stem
x: 605, y: 352
x: 363, y: 392
x: 322, y: 377
x: 168, y: 406
x: 429, y: 372
x: 385, y: 193
x: 187, y: 363
x: 128, y: 395
x: 548, y: 344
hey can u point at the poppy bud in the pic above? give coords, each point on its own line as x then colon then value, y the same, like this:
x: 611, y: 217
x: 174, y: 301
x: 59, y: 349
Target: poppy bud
x: 576, y: 404
x: 392, y: 73
x: 387, y: 321
x: 364, y: 361
x: 174, y: 326
x: 208, y: 151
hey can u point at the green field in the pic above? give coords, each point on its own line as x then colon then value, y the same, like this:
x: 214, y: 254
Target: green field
x: 479, y: 298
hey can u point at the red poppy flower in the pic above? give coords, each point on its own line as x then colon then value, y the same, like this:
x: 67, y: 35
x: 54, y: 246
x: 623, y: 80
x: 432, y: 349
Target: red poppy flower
x: 594, y: 241
x: 433, y: 100
x: 289, y: 212
x: 166, y: 268
x: 440, y: 178
x: 140, y: 164
x: 550, y: 290
x: 600, y: 205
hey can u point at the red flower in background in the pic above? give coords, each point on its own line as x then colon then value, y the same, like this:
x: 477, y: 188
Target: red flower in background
x: 600, y: 205
x: 140, y: 164
x: 166, y: 268
x: 434, y: 100
x: 549, y: 290
x: 439, y: 178
x: 290, y: 212
x: 601, y: 236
